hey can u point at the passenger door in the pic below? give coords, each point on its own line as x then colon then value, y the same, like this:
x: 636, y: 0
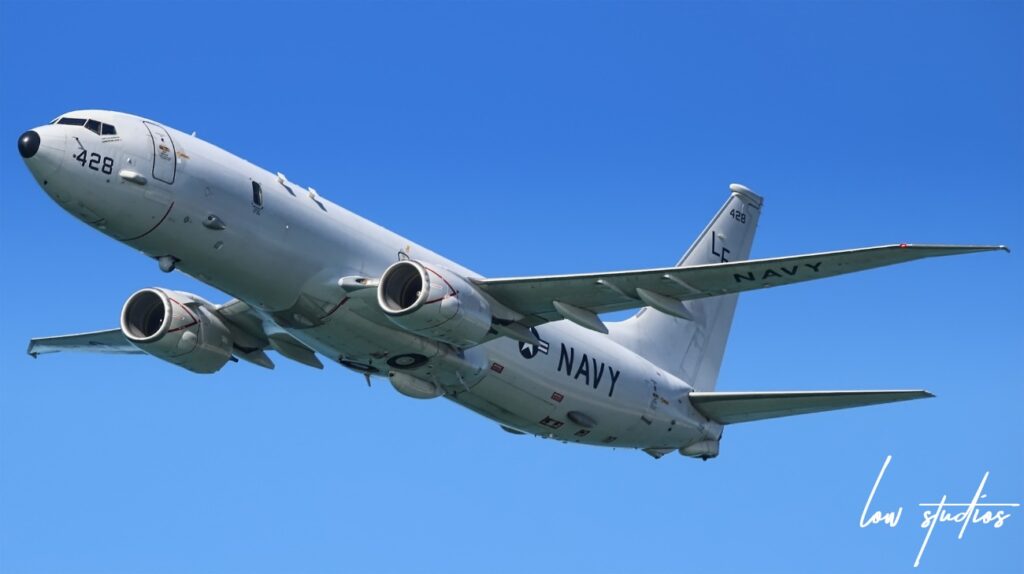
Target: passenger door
x: 164, y: 157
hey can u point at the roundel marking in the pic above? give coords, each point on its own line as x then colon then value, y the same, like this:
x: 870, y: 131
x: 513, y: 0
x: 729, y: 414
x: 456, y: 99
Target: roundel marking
x: 530, y: 350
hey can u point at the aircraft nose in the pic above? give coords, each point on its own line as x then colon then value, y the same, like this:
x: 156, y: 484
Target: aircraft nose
x: 28, y: 144
x: 43, y: 150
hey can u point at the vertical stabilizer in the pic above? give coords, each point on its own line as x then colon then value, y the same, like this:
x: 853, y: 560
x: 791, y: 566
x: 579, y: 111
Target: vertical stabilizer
x: 692, y: 349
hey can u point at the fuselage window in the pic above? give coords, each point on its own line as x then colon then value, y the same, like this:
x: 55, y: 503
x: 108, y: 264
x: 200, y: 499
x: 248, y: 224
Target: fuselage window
x: 109, y: 130
x: 257, y: 194
x: 93, y: 126
x: 72, y: 121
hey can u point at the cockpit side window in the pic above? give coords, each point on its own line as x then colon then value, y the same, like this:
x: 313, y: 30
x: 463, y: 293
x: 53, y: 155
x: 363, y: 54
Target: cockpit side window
x: 71, y: 121
x: 257, y: 195
x: 109, y: 130
x: 93, y: 126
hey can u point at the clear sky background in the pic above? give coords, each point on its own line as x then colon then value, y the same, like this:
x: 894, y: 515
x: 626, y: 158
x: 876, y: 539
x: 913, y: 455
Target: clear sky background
x: 531, y: 138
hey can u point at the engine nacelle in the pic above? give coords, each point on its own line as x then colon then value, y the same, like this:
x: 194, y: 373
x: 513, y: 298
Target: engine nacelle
x: 177, y: 327
x: 434, y: 302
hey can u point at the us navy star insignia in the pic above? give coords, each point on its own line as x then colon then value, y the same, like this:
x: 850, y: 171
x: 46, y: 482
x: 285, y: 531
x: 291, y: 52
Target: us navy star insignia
x: 529, y: 350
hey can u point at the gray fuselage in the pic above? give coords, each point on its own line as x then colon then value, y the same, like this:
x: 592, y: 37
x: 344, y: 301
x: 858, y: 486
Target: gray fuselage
x: 282, y: 249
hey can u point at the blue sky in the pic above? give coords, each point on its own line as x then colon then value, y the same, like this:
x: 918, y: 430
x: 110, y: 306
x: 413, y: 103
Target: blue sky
x: 531, y: 138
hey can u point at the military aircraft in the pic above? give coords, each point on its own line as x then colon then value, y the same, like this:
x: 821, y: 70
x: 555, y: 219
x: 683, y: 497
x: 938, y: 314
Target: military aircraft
x: 311, y: 279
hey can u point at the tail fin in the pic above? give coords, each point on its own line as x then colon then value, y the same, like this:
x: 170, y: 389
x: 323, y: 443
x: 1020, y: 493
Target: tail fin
x: 693, y: 350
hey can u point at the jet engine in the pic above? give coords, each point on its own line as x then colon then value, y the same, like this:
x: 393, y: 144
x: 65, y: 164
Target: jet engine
x: 177, y: 327
x: 434, y: 302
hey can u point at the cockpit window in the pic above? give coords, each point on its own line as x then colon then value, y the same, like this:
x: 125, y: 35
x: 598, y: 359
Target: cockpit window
x: 92, y: 125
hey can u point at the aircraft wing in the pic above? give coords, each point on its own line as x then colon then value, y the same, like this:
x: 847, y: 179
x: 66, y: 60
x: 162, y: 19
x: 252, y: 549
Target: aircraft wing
x: 248, y: 334
x: 109, y: 341
x: 580, y: 297
x: 727, y: 408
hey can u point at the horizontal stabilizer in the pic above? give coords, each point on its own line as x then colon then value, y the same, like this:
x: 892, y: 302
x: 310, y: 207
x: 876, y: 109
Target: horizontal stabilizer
x: 727, y: 408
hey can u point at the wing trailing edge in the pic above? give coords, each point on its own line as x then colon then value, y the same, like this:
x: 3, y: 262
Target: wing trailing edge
x: 741, y: 407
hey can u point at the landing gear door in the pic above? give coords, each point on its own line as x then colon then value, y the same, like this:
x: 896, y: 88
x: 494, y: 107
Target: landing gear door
x: 164, y: 157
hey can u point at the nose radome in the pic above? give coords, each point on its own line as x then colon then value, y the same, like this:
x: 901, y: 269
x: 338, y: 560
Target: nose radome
x: 28, y: 144
x: 43, y: 150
